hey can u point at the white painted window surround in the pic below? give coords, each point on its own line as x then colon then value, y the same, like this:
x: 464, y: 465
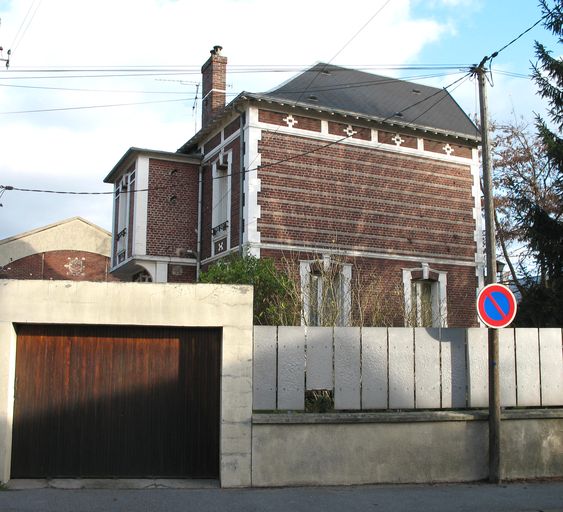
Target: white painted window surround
x: 325, y: 293
x: 422, y: 294
x: 221, y: 208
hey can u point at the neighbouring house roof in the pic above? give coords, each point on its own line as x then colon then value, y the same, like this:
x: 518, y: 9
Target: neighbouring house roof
x: 75, y: 233
x: 338, y: 90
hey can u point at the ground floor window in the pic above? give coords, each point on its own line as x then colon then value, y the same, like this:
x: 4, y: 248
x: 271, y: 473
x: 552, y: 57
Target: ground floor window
x: 425, y: 297
x: 326, y: 294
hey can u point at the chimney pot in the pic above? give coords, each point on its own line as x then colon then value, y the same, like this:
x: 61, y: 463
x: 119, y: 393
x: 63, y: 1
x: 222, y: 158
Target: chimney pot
x: 216, y: 50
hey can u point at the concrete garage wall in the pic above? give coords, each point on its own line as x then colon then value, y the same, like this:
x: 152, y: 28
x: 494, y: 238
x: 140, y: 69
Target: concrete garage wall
x: 406, y: 447
x: 201, y: 305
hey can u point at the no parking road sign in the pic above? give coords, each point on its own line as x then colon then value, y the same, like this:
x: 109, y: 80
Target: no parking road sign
x: 496, y: 305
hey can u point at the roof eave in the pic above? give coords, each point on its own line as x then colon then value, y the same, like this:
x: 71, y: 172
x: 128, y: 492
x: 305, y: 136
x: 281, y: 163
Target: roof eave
x: 131, y: 152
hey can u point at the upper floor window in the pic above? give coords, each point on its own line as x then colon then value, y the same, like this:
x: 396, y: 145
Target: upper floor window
x: 220, y: 217
x: 325, y: 290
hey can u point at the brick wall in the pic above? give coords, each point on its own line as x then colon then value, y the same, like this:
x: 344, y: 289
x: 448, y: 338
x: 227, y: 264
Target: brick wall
x: 363, y: 199
x: 57, y: 265
x: 172, y: 207
x: 181, y: 273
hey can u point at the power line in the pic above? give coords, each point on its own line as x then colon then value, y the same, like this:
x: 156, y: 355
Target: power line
x: 79, y: 89
x: 62, y: 109
x: 348, y: 85
x: 240, y: 172
x: 16, y: 42
x: 495, y: 54
x: 187, y: 99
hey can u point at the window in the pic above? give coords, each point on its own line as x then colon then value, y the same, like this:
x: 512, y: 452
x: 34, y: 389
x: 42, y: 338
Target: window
x: 425, y: 297
x: 325, y: 290
x: 221, y: 203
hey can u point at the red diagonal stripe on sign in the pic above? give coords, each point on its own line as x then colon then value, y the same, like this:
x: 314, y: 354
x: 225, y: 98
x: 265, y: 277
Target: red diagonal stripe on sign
x: 489, y: 295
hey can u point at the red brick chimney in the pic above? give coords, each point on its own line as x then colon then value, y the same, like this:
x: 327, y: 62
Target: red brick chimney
x: 214, y: 78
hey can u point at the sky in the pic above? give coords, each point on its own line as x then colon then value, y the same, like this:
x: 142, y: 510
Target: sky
x: 90, y: 79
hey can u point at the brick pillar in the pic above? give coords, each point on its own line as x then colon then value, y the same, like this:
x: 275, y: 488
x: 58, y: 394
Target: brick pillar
x: 214, y: 78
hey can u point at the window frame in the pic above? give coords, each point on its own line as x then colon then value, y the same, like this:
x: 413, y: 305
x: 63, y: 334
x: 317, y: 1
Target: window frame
x: 438, y: 296
x: 313, y: 270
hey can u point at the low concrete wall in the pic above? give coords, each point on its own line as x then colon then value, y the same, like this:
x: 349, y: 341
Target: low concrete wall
x: 409, y: 447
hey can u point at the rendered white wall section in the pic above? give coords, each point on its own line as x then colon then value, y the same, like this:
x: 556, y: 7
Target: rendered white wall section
x: 140, y: 212
x: 528, y: 367
x: 347, y: 368
x: 551, y: 360
x: 319, y: 358
x: 291, y: 368
x: 401, y: 368
x: 453, y: 363
x: 374, y: 368
x: 264, y: 378
x: 252, y: 160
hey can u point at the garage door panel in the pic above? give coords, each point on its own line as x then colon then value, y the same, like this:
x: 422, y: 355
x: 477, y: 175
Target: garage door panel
x: 98, y: 401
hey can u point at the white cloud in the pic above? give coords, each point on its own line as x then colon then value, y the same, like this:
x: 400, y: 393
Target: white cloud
x: 74, y: 150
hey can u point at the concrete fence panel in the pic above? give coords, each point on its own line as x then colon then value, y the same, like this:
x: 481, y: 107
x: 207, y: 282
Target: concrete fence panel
x: 264, y: 377
x: 347, y: 375
x: 374, y: 368
x: 477, y: 368
x: 527, y: 367
x: 291, y: 368
x: 454, y: 368
x: 551, y: 364
x: 507, y: 368
x: 427, y: 368
x: 319, y: 358
x: 401, y: 368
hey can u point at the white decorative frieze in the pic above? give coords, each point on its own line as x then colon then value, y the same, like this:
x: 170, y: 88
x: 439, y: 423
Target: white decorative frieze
x: 397, y: 140
x: 350, y: 131
x: 448, y: 149
x: 290, y: 120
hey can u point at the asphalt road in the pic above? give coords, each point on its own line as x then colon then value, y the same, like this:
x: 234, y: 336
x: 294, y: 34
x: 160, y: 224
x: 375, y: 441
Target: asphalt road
x: 536, y: 496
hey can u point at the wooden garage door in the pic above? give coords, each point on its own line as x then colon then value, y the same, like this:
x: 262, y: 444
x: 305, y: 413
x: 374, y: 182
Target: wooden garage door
x: 107, y: 401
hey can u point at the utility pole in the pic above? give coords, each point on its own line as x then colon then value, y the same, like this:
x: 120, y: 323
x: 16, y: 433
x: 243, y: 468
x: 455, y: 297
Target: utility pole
x: 490, y: 240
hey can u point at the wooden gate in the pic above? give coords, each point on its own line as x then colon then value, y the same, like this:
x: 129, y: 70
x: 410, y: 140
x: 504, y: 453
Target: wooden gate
x: 116, y: 401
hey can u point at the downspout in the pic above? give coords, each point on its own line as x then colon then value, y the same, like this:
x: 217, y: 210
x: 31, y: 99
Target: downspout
x: 199, y: 204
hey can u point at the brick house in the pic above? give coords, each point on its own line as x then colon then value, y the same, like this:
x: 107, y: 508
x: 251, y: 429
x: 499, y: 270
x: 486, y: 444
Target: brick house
x: 365, y: 188
x: 73, y: 250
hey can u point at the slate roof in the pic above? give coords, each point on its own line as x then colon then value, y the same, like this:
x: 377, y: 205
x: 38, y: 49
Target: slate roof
x: 325, y: 87
x: 351, y: 91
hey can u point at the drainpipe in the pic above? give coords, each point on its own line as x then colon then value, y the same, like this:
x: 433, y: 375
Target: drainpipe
x: 241, y: 181
x: 199, y: 221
